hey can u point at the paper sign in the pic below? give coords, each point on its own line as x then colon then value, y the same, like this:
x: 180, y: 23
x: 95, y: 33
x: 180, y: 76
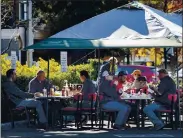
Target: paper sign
x: 13, y: 59
x: 63, y: 61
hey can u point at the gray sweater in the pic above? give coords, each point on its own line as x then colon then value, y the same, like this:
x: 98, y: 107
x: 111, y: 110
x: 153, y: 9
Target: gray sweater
x: 16, y: 95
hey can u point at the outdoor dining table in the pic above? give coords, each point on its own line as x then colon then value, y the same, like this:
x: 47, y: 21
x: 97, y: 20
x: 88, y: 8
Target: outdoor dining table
x: 140, y: 101
x: 54, y: 99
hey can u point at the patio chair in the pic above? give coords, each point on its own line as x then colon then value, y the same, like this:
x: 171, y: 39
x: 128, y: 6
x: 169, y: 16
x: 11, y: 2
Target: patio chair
x: 72, y: 111
x: 13, y: 110
x: 92, y: 110
x: 78, y: 111
x: 171, y: 111
x: 111, y: 115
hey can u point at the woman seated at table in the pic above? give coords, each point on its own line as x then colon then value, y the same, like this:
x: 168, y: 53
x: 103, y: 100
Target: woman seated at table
x: 140, y: 83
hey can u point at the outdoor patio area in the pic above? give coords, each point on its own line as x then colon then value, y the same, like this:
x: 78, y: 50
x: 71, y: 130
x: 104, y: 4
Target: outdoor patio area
x: 24, y: 132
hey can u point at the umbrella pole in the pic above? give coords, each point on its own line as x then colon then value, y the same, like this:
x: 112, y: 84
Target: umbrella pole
x: 113, y: 63
x: 48, y: 77
x: 98, y: 83
x: 165, y: 58
x: 98, y: 70
x: 155, y: 62
x: 177, y: 79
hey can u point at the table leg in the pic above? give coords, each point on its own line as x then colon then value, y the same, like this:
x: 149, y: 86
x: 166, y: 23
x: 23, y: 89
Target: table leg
x: 138, y: 117
x: 142, y: 113
x: 52, y: 113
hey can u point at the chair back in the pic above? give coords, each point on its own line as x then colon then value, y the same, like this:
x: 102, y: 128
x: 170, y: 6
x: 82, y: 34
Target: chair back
x: 78, y: 98
x: 172, y: 97
x: 101, y: 97
x: 92, y: 97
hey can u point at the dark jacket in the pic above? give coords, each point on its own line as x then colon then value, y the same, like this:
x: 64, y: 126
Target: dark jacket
x: 166, y: 86
x: 88, y: 88
x: 108, y: 91
x: 16, y: 95
x: 104, y: 67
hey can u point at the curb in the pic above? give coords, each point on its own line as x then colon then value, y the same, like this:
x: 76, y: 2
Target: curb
x: 7, y: 126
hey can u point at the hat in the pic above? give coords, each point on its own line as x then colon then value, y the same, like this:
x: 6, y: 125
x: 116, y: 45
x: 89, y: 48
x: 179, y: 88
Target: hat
x: 105, y: 73
x: 122, y: 73
x: 163, y: 71
x: 136, y: 72
x: 111, y: 59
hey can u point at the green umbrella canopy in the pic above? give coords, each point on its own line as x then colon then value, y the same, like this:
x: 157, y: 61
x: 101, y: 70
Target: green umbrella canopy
x: 129, y: 26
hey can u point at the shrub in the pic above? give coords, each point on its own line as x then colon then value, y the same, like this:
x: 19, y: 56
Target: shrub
x: 25, y: 74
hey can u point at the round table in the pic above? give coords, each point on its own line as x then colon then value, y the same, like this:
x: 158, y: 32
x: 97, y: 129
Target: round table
x: 53, y: 99
x: 140, y: 100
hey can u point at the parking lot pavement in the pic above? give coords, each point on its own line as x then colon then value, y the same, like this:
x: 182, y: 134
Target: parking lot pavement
x: 73, y: 133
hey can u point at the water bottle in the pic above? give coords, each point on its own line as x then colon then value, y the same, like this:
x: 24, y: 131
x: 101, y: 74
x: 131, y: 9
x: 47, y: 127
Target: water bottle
x: 45, y: 92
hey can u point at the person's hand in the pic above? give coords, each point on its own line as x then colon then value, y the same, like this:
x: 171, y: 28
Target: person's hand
x: 128, y: 91
x: 38, y: 94
x: 151, y: 87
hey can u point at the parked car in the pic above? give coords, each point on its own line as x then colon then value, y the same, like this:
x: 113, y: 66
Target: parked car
x: 149, y: 72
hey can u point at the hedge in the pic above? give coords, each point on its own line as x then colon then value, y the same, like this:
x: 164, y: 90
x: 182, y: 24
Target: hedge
x: 25, y: 74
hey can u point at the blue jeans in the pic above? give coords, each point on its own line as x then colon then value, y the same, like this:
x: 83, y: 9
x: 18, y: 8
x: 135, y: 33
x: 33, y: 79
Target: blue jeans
x: 150, y: 112
x: 122, y: 108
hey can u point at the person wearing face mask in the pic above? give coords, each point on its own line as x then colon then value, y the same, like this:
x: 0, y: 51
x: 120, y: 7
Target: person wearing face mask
x: 111, y: 101
x: 161, y: 102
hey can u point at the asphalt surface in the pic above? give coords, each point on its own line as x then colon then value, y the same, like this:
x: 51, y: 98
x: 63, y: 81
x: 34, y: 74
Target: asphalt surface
x: 95, y: 133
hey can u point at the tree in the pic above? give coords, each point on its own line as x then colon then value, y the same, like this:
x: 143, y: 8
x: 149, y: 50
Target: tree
x: 7, y: 14
x: 59, y: 15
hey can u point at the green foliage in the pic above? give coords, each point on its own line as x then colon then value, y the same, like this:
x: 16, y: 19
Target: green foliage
x: 25, y: 74
x: 61, y: 14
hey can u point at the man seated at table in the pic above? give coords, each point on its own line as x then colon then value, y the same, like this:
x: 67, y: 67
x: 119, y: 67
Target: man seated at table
x: 121, y: 83
x: 18, y: 97
x: 38, y: 83
x: 111, y: 101
x: 166, y: 86
x: 88, y: 87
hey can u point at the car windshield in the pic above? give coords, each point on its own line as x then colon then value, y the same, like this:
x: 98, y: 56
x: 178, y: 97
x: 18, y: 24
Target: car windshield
x: 153, y: 69
x: 129, y: 70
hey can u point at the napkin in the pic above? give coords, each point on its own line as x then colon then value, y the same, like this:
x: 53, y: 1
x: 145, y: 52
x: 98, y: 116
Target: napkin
x: 150, y: 90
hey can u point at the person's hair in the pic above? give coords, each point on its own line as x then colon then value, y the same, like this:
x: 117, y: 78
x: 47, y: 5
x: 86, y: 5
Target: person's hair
x: 142, y: 78
x: 84, y: 73
x: 39, y: 72
x: 9, y: 73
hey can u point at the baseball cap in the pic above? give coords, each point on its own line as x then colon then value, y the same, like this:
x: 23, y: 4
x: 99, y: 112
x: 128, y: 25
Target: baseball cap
x: 163, y: 71
x: 121, y: 73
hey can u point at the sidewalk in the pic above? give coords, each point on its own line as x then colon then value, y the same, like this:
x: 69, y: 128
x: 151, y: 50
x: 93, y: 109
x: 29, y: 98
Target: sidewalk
x: 73, y: 133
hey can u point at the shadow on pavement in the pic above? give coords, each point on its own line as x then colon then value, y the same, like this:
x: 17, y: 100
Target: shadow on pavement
x: 95, y: 133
